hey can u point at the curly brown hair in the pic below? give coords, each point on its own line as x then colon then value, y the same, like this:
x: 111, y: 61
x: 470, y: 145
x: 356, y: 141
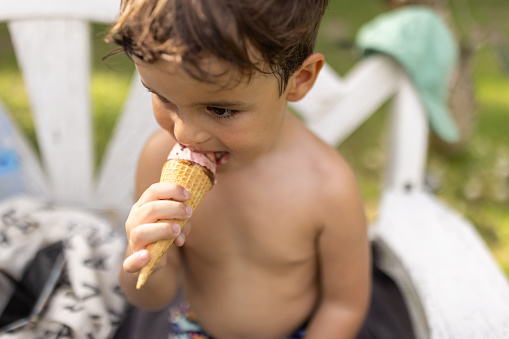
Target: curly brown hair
x: 269, y: 36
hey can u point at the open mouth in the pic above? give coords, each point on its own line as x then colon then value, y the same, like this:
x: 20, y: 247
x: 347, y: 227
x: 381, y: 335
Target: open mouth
x: 221, y: 158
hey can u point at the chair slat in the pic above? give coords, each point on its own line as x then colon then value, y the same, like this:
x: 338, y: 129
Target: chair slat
x: 408, y: 140
x: 92, y: 10
x: 58, y: 88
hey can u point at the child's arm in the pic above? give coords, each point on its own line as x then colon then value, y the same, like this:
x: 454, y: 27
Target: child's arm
x: 141, y: 228
x: 344, y: 258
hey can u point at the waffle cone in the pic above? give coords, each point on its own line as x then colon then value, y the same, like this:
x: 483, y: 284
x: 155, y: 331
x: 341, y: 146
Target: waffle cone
x: 198, y: 180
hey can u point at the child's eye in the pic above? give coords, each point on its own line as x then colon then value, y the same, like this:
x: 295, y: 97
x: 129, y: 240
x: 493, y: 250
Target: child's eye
x: 161, y: 99
x: 221, y: 113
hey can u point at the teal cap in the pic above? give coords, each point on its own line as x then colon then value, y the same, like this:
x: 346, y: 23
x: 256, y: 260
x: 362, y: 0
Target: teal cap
x: 423, y: 44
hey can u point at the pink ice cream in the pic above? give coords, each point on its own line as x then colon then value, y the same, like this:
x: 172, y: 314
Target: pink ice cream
x: 204, y: 159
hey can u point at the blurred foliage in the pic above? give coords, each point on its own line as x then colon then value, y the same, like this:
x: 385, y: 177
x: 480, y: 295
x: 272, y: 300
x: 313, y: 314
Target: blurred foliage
x: 475, y: 182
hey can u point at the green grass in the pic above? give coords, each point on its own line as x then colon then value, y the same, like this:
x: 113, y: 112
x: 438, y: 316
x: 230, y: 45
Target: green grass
x: 474, y: 182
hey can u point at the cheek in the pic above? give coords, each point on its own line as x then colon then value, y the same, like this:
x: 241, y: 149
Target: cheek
x: 261, y: 129
x: 251, y: 136
x: 163, y: 115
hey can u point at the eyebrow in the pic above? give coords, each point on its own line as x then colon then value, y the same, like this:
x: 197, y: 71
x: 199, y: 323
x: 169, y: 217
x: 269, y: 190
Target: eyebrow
x: 225, y: 104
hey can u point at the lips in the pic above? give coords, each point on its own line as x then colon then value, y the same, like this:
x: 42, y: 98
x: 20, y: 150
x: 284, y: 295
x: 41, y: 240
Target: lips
x: 221, y: 158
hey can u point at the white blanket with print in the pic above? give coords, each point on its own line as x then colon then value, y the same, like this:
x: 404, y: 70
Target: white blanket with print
x: 89, y: 304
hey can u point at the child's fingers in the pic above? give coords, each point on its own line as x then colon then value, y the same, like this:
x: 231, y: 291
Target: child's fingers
x: 136, y: 261
x: 164, y: 191
x: 146, y: 234
x: 181, y: 238
x: 157, y: 210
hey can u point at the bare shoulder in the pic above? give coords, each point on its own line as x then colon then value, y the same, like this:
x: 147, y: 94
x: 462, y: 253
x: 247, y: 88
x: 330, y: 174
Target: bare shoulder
x: 342, y: 181
x: 334, y: 183
x: 333, y: 172
x: 152, y: 159
x: 342, y: 195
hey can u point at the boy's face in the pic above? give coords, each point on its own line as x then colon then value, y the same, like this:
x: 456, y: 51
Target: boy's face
x: 239, y: 123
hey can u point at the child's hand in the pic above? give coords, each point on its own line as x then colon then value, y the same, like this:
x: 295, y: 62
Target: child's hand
x: 161, y: 201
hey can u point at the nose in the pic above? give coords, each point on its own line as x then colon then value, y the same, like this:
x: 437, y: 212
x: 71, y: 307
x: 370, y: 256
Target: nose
x: 189, y: 130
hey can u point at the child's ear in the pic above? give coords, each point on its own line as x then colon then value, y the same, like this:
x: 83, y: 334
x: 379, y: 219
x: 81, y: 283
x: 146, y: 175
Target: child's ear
x: 304, y: 78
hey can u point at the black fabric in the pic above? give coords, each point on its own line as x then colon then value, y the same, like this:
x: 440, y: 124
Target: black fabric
x: 388, y: 317
x: 32, y: 284
x: 141, y: 324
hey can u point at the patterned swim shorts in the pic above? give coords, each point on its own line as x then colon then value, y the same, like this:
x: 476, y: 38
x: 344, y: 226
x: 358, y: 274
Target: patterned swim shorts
x: 185, y: 326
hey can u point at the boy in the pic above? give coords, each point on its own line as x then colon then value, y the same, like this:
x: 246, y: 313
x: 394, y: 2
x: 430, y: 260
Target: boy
x: 280, y: 243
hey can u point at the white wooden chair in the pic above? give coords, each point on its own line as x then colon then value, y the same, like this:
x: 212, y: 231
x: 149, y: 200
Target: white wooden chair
x: 452, y: 285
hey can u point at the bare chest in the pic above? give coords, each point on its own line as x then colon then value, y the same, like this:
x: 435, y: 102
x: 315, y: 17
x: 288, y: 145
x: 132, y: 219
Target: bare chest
x: 266, y: 224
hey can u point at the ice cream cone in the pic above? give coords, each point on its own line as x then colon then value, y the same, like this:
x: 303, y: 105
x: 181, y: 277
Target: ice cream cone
x: 198, y: 180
